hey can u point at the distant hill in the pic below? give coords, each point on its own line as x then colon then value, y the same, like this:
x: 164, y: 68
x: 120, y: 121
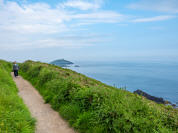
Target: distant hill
x: 62, y: 63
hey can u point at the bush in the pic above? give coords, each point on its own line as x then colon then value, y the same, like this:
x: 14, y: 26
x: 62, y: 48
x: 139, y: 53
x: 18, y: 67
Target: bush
x: 84, y: 121
x: 70, y: 112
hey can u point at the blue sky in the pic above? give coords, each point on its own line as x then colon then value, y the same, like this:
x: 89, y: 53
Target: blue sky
x: 89, y: 30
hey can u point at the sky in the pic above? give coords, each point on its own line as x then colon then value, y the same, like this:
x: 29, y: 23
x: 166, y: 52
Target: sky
x: 86, y: 30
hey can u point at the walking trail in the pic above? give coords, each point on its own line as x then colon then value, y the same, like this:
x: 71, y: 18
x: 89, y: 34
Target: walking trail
x: 48, y: 120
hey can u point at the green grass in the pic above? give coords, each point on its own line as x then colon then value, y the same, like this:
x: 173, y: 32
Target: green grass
x: 93, y: 107
x: 14, y: 115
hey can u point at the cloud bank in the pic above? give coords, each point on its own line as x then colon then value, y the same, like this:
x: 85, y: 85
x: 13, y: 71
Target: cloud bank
x: 168, y: 6
x: 153, y: 19
x: 82, y: 5
x: 39, y: 25
x: 35, y: 25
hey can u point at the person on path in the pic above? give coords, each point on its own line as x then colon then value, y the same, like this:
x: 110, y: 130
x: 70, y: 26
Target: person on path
x: 15, y: 69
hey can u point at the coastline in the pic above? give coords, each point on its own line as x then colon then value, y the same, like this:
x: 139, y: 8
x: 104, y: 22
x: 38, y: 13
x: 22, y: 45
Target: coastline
x: 158, y: 100
x: 159, y: 80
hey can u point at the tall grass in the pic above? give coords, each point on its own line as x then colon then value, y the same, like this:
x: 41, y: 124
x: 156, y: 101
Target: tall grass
x: 14, y: 115
x: 93, y: 107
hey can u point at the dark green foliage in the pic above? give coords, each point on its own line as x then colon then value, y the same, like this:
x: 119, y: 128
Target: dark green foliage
x: 93, y: 107
x: 14, y: 115
x: 84, y: 121
x: 72, y: 114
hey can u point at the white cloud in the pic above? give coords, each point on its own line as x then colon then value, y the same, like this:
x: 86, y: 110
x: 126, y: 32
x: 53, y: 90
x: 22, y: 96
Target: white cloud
x: 169, y: 6
x: 82, y: 5
x: 36, y: 25
x: 99, y: 17
x: 17, y: 42
x: 152, y: 19
x: 36, y: 18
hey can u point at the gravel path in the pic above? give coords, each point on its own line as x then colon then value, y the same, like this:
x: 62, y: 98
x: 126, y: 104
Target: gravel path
x: 48, y: 120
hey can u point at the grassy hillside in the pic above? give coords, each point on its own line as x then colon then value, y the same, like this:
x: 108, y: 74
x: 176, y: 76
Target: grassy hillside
x: 93, y: 107
x: 14, y: 116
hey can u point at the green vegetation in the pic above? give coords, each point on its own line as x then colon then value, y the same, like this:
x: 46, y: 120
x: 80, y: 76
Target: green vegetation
x: 93, y: 107
x: 14, y: 115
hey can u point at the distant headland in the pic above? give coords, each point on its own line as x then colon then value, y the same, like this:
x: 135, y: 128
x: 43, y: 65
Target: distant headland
x: 63, y: 63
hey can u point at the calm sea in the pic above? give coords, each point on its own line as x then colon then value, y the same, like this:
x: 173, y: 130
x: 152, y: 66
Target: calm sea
x: 155, y: 78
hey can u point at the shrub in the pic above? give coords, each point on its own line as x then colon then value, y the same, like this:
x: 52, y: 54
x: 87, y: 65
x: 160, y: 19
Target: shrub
x: 70, y: 112
x: 84, y: 121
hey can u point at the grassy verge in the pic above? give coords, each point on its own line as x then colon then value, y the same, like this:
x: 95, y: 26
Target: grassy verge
x: 93, y: 107
x: 14, y: 115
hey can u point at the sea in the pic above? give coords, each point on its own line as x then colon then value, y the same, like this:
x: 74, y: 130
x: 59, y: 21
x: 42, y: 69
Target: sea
x: 156, y: 78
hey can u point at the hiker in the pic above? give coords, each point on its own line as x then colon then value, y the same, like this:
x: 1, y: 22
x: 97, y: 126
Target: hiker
x: 15, y: 68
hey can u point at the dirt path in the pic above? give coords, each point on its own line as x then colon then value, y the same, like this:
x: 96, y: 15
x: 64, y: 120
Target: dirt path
x: 48, y: 121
